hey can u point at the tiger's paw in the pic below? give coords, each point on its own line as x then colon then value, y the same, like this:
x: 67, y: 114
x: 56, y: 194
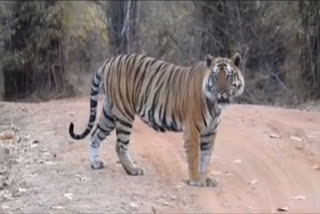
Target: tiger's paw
x: 196, y: 183
x: 134, y: 171
x: 208, y: 182
x: 97, y: 165
x: 212, y: 182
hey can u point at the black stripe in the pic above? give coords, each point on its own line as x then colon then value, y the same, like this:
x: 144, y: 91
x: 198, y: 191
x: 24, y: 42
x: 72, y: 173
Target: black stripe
x: 209, y: 106
x: 128, y: 67
x: 110, y: 69
x: 94, y: 145
x: 127, y: 111
x: 174, y: 126
x: 164, y: 121
x: 121, y: 131
x: 138, y: 69
x: 141, y: 80
x: 93, y: 93
x: 103, y: 130
x: 161, y: 76
x: 92, y: 117
x: 103, y: 66
x: 93, y: 103
x: 94, y: 131
x: 205, y: 145
x: 123, y: 142
x: 120, y: 71
x: 204, y: 119
x: 171, y: 71
x: 147, y: 91
x: 209, y: 134
x: 110, y: 118
x: 190, y: 74
x: 138, y: 89
x: 131, y: 57
x: 155, y: 99
x: 124, y: 123
x: 198, y: 128
x: 155, y: 74
x: 176, y: 74
x: 121, y: 147
x: 119, y: 61
x: 94, y: 83
x: 153, y: 61
x: 100, y: 138
x: 109, y: 127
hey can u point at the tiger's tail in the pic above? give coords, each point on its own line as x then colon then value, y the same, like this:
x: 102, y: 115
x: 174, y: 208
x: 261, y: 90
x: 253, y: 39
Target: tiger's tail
x: 93, y: 107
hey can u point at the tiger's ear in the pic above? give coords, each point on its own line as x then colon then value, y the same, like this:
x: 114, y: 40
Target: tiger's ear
x: 236, y: 58
x: 209, y: 60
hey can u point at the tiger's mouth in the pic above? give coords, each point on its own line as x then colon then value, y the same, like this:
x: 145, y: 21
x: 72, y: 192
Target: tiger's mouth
x: 224, y: 100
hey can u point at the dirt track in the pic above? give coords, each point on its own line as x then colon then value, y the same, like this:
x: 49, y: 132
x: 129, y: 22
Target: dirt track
x: 264, y: 158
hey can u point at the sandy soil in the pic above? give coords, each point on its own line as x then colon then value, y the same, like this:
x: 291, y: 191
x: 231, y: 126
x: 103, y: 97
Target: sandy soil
x: 265, y: 158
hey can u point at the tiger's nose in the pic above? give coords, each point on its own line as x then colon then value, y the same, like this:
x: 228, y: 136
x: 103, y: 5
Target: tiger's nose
x: 225, y: 95
x: 222, y: 95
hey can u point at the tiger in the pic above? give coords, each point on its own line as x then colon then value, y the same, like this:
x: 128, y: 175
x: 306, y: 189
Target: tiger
x: 167, y: 97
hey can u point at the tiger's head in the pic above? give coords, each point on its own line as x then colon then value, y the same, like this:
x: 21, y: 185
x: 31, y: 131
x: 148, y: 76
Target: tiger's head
x: 223, y: 80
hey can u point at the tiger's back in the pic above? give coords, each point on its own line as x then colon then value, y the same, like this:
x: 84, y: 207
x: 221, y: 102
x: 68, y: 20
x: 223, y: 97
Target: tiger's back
x: 157, y: 91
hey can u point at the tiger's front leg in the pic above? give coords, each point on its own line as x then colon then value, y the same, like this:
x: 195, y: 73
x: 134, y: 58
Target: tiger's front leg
x: 192, y: 149
x: 206, y: 146
x: 207, y: 141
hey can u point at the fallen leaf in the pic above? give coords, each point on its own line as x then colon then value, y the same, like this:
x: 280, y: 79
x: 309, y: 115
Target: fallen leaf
x: 299, y: 147
x: 35, y: 141
x: 283, y: 209
x: 8, y: 196
x: 57, y: 207
x: 178, y: 186
x: 133, y: 205
x: 34, y: 145
x: 316, y: 167
x: 69, y: 196
x: 228, y: 173
x: 153, y: 210
x: 299, y: 198
x: 237, y: 161
x: 7, y: 135
x: 251, y: 208
x: 272, y: 135
x: 311, y: 136
x: 82, y: 178
x: 22, y: 190
x: 295, y: 138
x: 50, y: 163
x: 166, y: 203
x: 253, y: 182
x: 26, y: 137
x: 216, y: 172
x: 5, y: 207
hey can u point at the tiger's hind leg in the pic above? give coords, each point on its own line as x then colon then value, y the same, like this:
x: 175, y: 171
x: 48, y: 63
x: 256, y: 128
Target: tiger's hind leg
x: 123, y: 132
x: 103, y: 129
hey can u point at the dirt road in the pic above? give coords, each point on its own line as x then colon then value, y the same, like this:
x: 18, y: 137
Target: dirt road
x: 265, y: 158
